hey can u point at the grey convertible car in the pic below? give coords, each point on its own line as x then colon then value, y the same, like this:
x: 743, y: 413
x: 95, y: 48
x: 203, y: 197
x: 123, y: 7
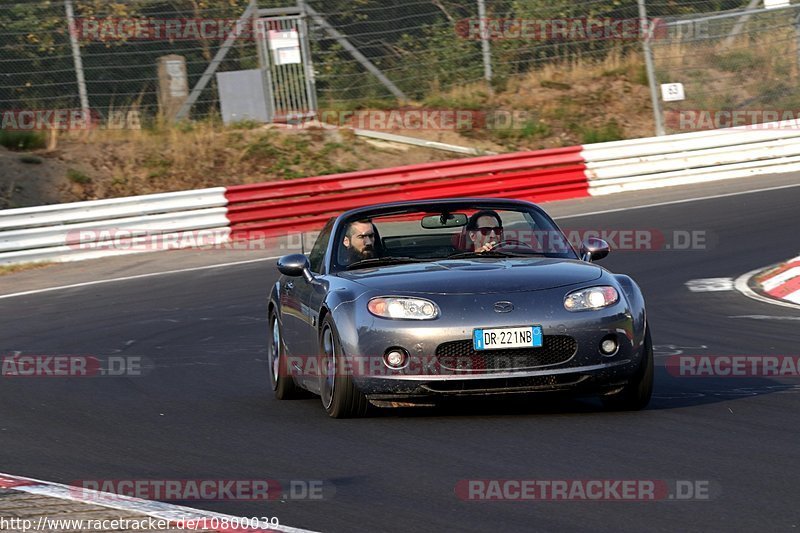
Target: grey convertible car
x: 404, y: 303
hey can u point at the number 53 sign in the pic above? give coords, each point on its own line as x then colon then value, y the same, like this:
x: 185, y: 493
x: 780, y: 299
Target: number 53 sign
x: 672, y: 92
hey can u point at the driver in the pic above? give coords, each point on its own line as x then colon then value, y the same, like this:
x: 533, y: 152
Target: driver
x: 360, y: 241
x: 485, y: 230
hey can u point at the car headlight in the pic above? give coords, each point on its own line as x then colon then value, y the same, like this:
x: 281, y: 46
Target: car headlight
x: 403, y: 308
x: 591, y: 298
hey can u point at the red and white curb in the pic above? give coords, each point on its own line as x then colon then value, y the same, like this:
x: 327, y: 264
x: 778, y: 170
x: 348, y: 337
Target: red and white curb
x: 174, y: 514
x: 778, y: 285
x: 783, y: 282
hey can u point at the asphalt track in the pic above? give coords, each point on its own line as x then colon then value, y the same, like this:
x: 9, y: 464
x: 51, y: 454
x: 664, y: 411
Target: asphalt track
x: 204, y: 409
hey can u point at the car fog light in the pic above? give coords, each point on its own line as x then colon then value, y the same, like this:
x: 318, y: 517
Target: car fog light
x: 608, y: 346
x: 395, y: 358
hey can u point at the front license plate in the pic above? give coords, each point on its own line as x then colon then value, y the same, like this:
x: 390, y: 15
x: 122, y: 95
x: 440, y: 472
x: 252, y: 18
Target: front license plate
x: 500, y: 338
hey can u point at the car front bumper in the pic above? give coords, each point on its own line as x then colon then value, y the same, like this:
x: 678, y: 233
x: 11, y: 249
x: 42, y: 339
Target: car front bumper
x: 584, y: 369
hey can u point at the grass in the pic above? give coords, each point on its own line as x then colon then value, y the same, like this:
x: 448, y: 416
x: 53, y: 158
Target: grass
x: 76, y: 176
x: 474, y: 97
x: 737, y: 60
x: 23, y: 140
x: 21, y: 267
x: 550, y: 84
x: 161, y: 158
x: 610, y: 131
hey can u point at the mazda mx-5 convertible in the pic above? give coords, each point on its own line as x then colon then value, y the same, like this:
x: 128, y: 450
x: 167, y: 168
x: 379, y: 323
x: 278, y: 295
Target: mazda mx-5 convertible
x: 406, y: 303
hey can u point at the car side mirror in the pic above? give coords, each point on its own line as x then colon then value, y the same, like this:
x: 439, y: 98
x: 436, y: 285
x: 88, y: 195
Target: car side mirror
x: 594, y: 249
x: 295, y: 265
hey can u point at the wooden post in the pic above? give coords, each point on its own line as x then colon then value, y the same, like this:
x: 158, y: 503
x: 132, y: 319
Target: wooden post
x: 173, y: 85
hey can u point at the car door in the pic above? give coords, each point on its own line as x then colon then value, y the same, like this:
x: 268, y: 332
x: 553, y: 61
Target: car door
x: 306, y: 300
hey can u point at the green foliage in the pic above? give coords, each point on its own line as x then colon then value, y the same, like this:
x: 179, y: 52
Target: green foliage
x: 737, y: 60
x: 296, y: 156
x: 22, y: 140
x: 640, y: 75
x: 610, y: 131
x: 474, y: 101
x: 530, y: 129
x: 551, y: 84
x: 245, y: 125
x: 76, y: 176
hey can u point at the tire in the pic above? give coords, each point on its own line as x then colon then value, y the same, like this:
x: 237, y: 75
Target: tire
x: 281, y: 381
x: 636, y: 394
x: 340, y: 398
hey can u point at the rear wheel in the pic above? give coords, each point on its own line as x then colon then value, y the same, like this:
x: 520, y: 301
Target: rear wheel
x: 340, y: 398
x: 279, y: 376
x: 636, y: 394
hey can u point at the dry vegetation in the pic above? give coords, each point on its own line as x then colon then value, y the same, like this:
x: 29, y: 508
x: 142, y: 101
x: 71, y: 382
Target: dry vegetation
x: 21, y: 267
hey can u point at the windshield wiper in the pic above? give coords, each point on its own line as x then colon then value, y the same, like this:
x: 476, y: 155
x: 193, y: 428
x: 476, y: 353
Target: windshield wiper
x: 462, y: 255
x: 380, y: 261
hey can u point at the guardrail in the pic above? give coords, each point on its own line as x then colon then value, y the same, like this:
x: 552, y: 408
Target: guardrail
x: 75, y: 231
x: 307, y: 203
x: 83, y: 230
x: 694, y: 157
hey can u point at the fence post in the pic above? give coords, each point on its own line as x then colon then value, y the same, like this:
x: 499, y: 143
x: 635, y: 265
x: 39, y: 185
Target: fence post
x: 76, y: 58
x: 645, y: 29
x: 797, y: 40
x: 487, y: 52
x: 311, y: 82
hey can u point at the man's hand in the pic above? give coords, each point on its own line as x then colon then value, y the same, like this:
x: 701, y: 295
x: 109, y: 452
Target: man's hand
x: 488, y: 247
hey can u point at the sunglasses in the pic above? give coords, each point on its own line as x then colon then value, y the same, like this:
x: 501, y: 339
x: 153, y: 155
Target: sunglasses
x: 485, y: 231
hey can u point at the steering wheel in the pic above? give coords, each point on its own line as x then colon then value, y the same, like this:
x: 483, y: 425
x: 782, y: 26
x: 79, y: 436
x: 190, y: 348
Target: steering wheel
x: 511, y: 242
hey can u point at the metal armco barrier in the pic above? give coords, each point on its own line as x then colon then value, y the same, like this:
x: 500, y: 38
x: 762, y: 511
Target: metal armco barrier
x: 86, y: 230
x: 53, y: 233
x: 694, y: 157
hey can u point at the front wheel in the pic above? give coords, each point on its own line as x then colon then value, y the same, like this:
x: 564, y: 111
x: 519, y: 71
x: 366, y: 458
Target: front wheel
x: 636, y: 394
x: 340, y: 398
x: 281, y: 380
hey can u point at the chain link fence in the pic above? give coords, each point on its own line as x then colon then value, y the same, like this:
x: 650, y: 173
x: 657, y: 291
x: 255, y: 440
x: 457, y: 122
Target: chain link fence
x: 424, y: 48
x: 735, y: 69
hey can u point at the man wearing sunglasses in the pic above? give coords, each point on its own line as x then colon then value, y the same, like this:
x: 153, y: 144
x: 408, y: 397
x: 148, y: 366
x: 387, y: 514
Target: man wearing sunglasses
x: 485, y: 230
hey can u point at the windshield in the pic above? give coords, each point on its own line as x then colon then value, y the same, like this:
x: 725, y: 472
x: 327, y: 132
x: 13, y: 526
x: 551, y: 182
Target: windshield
x: 441, y: 235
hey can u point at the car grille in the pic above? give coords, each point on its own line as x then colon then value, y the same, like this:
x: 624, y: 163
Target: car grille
x: 461, y: 355
x: 508, y: 385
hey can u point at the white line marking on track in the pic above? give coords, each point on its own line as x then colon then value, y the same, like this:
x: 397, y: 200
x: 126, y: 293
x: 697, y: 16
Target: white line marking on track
x: 710, y: 284
x: 673, y: 202
x: 667, y: 350
x: 137, y: 276
x: 766, y: 317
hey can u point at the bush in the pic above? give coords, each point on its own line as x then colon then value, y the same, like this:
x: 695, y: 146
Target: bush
x: 76, y: 176
x: 610, y: 131
x: 22, y: 140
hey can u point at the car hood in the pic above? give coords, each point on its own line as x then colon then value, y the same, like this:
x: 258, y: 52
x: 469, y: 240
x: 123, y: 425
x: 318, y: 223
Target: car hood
x: 475, y: 276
